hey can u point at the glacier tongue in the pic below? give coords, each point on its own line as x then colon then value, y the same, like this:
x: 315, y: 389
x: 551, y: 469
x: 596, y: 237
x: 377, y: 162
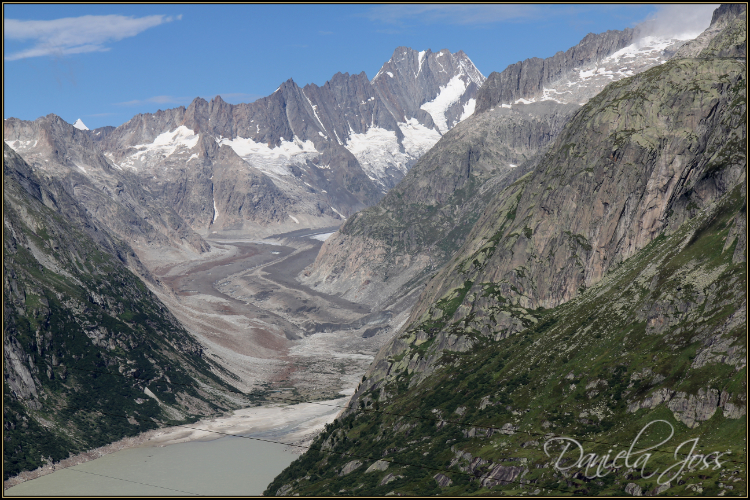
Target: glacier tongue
x: 377, y: 150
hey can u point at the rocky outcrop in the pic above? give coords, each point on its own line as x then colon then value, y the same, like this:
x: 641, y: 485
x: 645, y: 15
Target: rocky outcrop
x: 350, y: 467
x: 633, y: 489
x: 389, y: 478
x: 502, y: 474
x: 378, y: 466
x: 385, y: 252
x: 442, y: 480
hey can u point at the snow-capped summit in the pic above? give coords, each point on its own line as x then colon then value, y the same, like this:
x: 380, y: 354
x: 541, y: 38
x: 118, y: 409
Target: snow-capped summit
x: 442, y: 84
x: 80, y: 125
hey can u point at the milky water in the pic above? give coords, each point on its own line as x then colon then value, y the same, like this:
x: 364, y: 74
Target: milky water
x: 231, y: 465
x: 226, y: 466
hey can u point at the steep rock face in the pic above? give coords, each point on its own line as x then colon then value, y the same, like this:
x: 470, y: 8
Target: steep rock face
x: 727, y: 12
x: 734, y: 38
x: 625, y: 169
x: 82, y: 334
x: 116, y: 198
x: 600, y: 292
x: 385, y: 251
x: 528, y: 78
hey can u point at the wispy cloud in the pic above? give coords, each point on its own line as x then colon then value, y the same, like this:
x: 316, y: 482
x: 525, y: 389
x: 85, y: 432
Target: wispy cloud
x: 453, y: 14
x: 76, y: 35
x: 675, y: 19
x: 158, y: 99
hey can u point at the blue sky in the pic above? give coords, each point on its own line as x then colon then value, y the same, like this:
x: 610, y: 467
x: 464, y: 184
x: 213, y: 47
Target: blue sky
x: 107, y: 63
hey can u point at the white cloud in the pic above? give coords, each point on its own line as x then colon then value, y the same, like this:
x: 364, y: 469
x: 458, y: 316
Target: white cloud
x: 676, y: 19
x: 453, y: 14
x: 76, y: 35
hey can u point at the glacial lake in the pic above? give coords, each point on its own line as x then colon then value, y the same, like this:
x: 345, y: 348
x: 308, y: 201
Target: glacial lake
x: 231, y: 465
x: 225, y: 466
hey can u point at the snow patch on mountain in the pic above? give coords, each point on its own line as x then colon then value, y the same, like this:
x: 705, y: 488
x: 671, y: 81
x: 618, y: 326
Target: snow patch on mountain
x: 20, y: 145
x: 272, y: 161
x: 448, y: 95
x: 582, y: 83
x: 79, y: 125
x: 342, y: 215
x: 652, y: 46
x: 321, y: 237
x: 468, y: 109
x: 378, y: 150
x: 165, y: 145
x: 315, y: 112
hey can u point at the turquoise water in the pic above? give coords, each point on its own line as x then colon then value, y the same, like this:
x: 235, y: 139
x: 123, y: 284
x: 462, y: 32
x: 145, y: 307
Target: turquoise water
x: 226, y: 466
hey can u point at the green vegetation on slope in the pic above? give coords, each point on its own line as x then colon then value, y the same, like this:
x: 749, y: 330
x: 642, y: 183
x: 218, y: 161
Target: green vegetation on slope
x: 582, y: 370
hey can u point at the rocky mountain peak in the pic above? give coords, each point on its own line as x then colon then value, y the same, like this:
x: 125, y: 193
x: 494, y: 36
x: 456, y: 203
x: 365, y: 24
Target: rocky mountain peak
x: 341, y: 145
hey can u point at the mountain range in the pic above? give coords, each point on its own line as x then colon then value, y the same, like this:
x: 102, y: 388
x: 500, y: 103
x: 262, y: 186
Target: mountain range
x: 311, y: 156
x: 561, y: 246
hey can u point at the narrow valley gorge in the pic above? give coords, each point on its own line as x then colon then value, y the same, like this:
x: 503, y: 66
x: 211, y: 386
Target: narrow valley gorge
x: 417, y: 282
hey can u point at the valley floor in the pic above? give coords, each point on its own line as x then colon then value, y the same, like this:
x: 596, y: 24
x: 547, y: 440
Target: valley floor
x: 269, y: 332
x: 273, y: 338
